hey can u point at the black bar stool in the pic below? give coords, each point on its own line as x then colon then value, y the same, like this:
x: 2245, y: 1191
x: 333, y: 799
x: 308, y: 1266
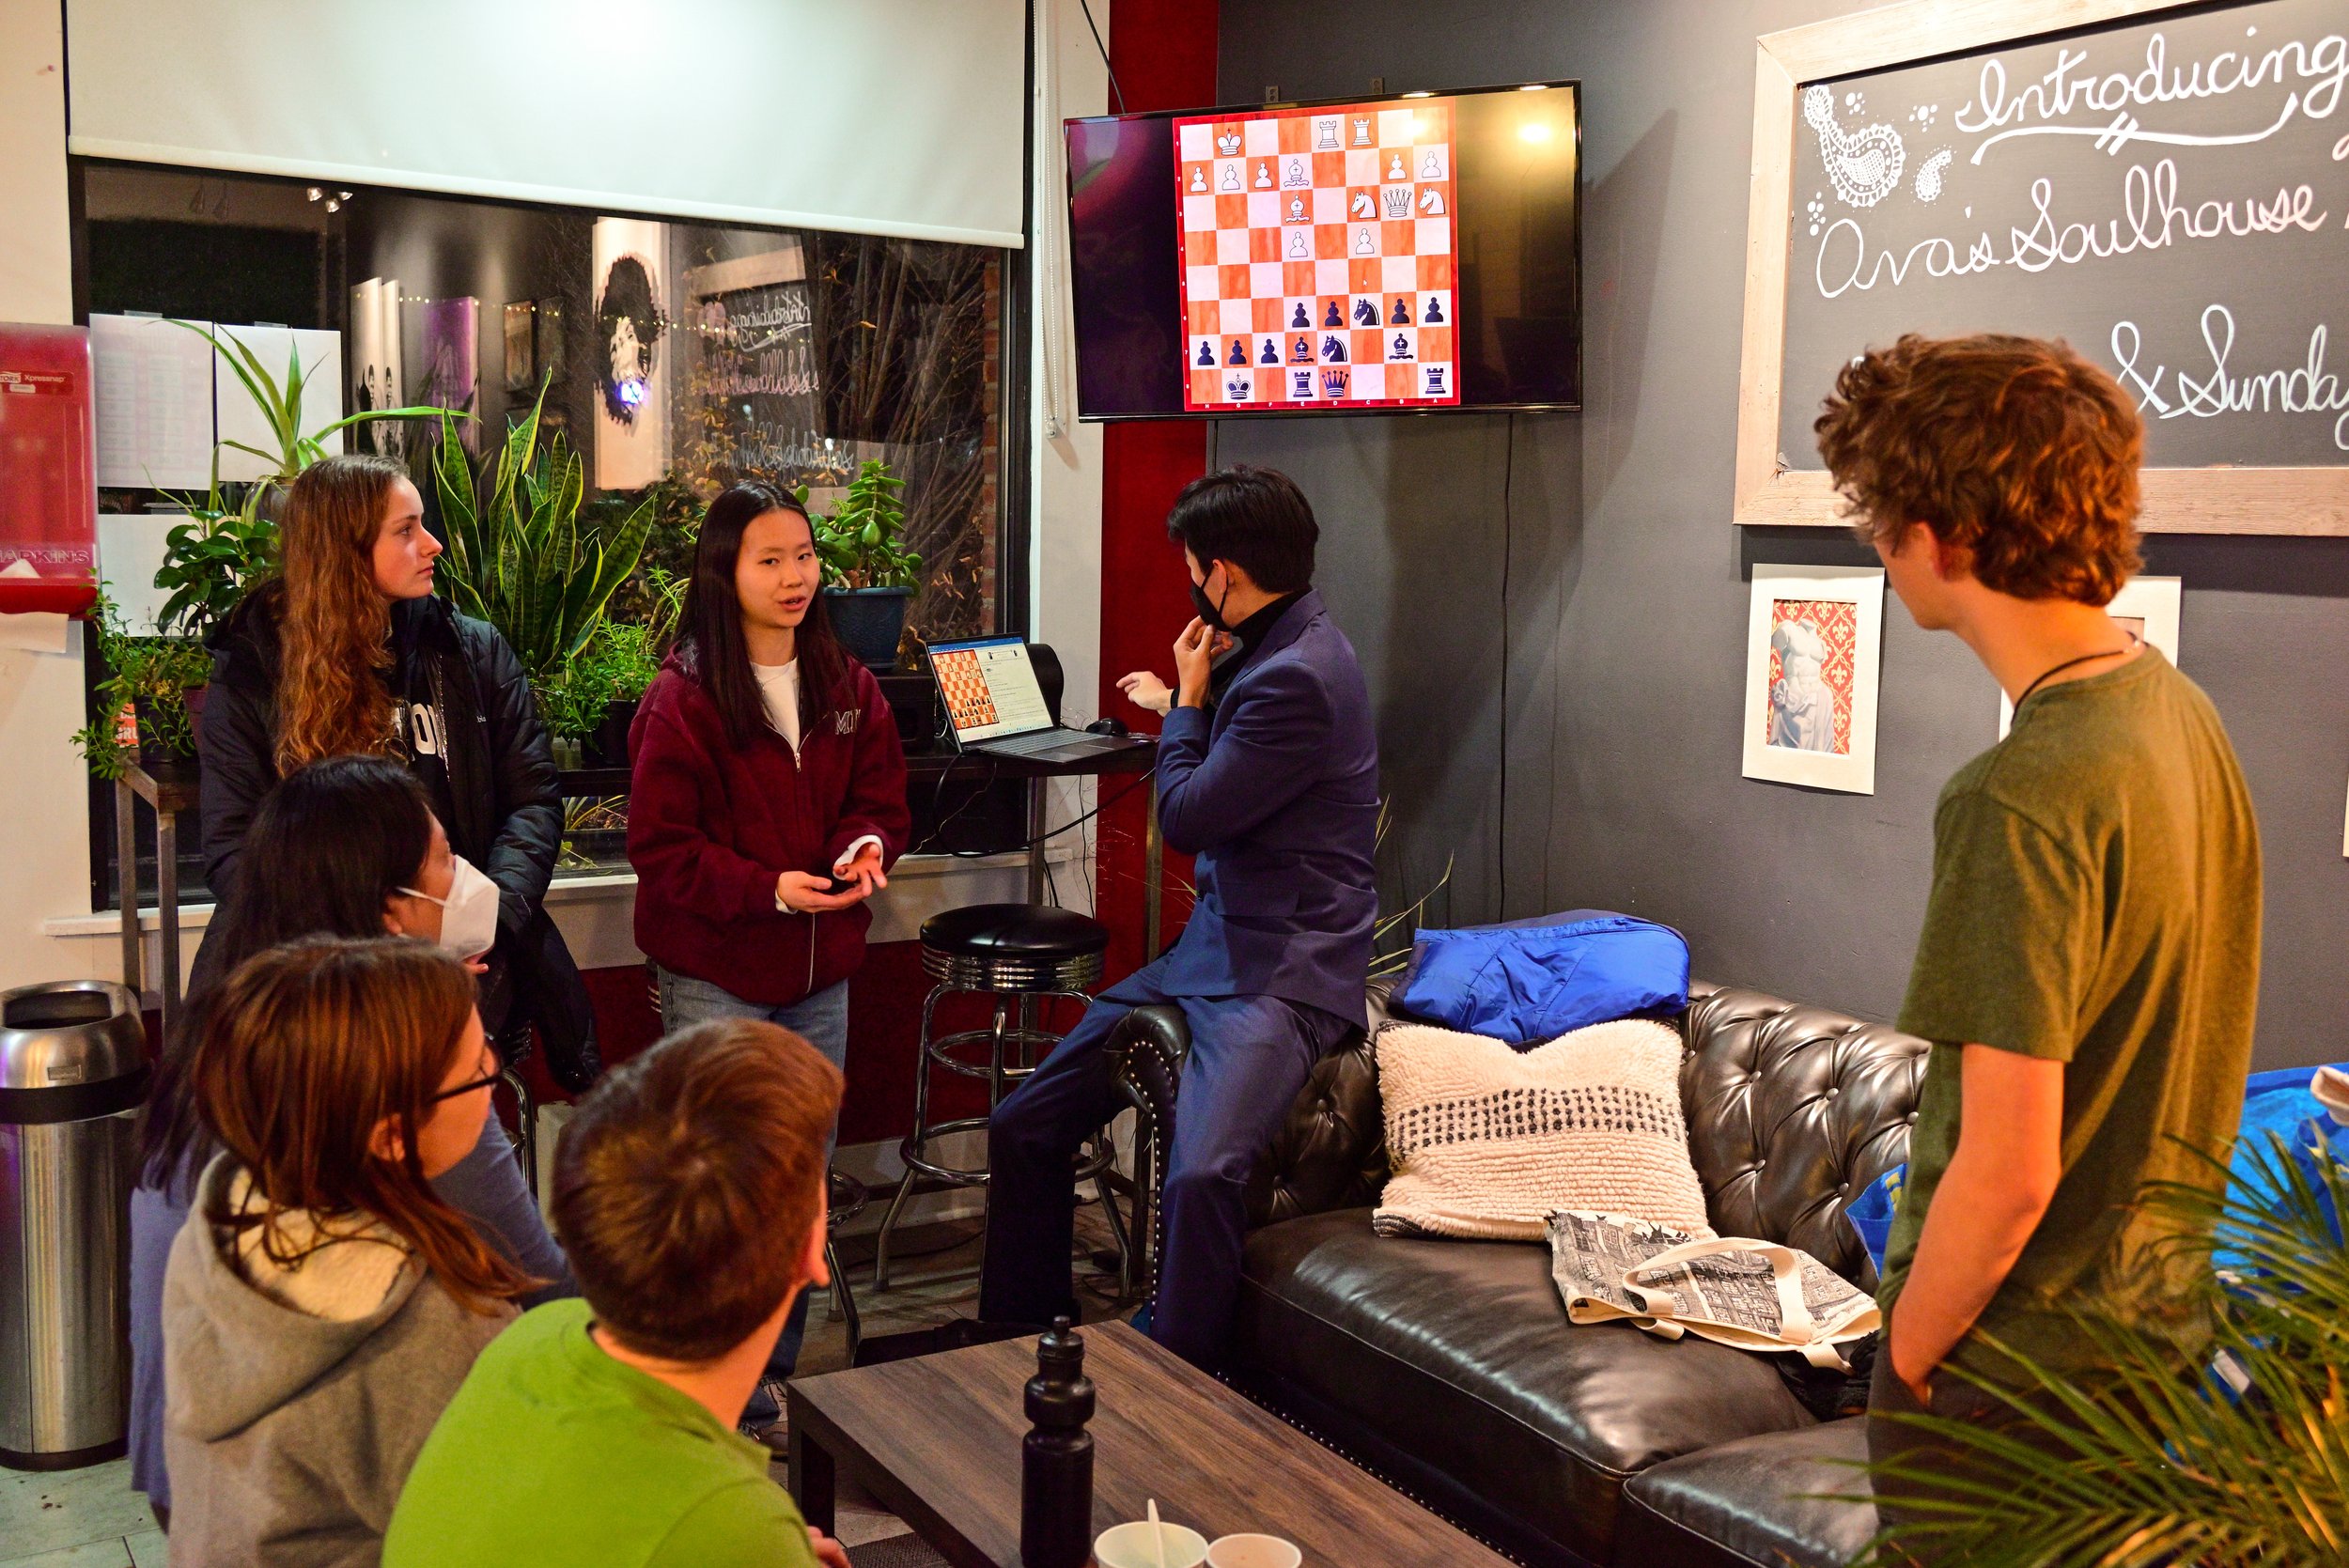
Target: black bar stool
x: 1018, y: 953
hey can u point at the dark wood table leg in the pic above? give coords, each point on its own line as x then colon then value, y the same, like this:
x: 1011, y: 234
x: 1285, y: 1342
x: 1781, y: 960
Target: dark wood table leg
x: 811, y: 1478
x: 167, y: 907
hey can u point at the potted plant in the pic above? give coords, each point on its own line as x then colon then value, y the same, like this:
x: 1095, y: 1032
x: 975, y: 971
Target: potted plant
x: 869, y: 576
x: 518, y: 557
x: 594, y: 702
x: 145, y: 707
x: 229, y: 542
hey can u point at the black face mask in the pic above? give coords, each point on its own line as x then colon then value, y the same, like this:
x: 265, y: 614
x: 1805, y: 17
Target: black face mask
x: 1206, y: 609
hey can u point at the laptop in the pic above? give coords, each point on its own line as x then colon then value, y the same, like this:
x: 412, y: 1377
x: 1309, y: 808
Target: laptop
x: 995, y: 705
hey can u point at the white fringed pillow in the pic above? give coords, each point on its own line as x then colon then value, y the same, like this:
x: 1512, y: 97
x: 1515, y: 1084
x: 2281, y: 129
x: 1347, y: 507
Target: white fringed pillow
x: 1486, y: 1141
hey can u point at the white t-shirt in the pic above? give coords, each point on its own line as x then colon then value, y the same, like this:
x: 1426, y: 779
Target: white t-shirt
x: 779, y: 693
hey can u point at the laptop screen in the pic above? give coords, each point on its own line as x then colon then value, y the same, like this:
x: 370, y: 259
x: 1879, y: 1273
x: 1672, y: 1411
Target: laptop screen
x: 990, y: 688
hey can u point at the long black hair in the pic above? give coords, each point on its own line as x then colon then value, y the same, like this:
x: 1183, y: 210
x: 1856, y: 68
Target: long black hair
x: 712, y: 650
x: 330, y: 843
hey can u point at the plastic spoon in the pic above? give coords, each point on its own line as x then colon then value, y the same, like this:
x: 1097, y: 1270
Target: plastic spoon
x: 1158, y: 1535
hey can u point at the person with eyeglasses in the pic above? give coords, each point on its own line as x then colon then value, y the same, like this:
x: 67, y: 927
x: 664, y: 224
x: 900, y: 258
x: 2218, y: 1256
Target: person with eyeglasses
x: 354, y: 850
x: 324, y: 1303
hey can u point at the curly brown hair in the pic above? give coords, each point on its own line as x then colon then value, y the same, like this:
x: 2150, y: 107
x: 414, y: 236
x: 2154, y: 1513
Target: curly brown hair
x: 337, y: 626
x: 2015, y: 450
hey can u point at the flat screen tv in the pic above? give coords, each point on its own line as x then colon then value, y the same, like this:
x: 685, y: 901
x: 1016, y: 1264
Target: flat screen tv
x: 1416, y: 252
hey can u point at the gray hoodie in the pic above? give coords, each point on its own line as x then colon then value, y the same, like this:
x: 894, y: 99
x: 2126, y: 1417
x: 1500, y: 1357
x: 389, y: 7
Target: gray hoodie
x: 288, y: 1435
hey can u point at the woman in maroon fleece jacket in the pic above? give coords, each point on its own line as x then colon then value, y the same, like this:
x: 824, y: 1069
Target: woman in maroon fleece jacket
x: 767, y: 804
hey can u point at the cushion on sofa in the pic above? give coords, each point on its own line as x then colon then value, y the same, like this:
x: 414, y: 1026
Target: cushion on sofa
x: 1460, y: 1353
x: 1488, y: 1140
x: 1767, y: 1502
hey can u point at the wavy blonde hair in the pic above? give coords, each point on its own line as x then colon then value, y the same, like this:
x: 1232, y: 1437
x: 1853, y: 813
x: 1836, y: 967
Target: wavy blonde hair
x: 335, y: 633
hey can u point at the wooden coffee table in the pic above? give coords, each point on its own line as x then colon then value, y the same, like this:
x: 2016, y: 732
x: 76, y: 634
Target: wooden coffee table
x: 937, y: 1440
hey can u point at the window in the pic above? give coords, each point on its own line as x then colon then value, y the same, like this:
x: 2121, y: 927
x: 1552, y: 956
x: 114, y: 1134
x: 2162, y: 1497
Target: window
x: 673, y: 357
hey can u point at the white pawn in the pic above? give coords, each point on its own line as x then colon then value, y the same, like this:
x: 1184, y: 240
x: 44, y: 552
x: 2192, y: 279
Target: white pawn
x: 1297, y: 245
x: 1362, y: 243
x: 1264, y: 176
x: 1430, y: 166
x: 1231, y: 176
x: 1395, y: 166
x: 1199, y: 181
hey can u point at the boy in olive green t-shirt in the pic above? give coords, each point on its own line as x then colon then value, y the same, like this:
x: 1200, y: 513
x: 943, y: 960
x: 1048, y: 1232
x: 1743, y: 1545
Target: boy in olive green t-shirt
x: 2090, y: 959
x: 600, y: 1433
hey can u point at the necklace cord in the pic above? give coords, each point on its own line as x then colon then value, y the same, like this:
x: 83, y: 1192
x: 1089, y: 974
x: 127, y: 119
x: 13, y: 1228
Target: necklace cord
x: 2134, y: 641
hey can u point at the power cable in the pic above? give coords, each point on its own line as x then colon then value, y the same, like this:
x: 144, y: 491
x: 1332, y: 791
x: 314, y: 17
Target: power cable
x: 1115, y: 96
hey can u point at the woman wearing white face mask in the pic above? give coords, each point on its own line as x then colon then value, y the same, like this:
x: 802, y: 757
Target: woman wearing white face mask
x: 349, y: 651
x: 354, y: 850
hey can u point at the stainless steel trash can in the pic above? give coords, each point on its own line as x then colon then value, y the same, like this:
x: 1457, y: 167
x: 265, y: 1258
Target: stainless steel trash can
x: 72, y: 1071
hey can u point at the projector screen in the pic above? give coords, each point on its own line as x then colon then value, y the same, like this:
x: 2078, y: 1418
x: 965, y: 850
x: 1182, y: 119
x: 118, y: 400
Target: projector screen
x: 900, y: 117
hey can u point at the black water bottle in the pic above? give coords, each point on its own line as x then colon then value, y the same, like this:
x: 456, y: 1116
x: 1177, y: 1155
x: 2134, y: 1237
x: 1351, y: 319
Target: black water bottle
x: 1056, y: 1460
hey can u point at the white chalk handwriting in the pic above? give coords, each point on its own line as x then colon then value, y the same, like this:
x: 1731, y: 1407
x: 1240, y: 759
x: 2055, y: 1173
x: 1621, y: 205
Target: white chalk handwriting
x: 2306, y: 388
x: 2154, y: 215
x: 2320, y: 68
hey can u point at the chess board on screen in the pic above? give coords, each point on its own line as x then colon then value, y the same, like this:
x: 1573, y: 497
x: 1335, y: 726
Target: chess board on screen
x: 1318, y: 248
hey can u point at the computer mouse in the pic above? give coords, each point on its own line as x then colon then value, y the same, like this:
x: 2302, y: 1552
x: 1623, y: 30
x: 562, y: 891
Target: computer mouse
x: 1106, y: 727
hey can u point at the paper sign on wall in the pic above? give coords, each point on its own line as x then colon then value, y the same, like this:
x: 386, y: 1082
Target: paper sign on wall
x: 154, y: 387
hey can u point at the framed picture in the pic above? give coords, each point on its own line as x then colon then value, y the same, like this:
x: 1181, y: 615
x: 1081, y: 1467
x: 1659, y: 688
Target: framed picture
x: 2147, y: 606
x: 1814, y: 644
x: 522, y: 368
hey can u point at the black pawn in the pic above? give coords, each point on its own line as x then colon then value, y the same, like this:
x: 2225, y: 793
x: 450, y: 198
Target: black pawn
x: 1333, y: 351
x: 1435, y: 311
x: 1401, y: 315
x: 1207, y: 354
x: 1270, y: 354
x: 1300, y: 318
x: 1238, y: 354
x: 1331, y: 318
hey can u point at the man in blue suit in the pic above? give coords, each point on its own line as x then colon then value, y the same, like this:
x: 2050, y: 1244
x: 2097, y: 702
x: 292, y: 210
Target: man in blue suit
x: 1268, y: 773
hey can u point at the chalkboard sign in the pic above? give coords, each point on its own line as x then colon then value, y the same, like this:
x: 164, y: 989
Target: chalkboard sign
x: 2167, y: 189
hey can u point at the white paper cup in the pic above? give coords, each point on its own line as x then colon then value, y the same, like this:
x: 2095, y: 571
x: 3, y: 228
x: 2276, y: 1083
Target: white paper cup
x: 1253, y: 1551
x: 1128, y: 1547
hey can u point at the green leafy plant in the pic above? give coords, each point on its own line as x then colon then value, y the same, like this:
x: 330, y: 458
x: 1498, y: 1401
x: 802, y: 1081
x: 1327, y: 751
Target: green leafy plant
x: 618, y: 662
x: 862, y: 543
x: 2163, y: 1460
x: 148, y: 680
x: 516, y: 555
x: 227, y: 544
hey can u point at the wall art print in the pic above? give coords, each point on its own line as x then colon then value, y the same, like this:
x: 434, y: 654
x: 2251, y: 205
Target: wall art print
x: 449, y: 363
x: 630, y: 318
x: 1814, y: 644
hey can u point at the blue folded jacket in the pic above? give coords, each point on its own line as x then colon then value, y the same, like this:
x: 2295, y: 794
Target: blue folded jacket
x: 1528, y: 985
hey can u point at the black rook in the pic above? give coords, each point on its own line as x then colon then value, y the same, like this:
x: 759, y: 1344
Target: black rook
x: 1056, y: 1460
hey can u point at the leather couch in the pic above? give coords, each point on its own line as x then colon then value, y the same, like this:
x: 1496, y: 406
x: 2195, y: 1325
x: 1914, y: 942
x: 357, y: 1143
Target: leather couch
x: 1448, y: 1368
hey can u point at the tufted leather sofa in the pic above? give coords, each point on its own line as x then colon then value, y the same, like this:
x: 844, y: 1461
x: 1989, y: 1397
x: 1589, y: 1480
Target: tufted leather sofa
x: 1449, y: 1368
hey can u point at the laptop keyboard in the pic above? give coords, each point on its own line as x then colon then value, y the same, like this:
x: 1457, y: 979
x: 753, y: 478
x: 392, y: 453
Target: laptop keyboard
x: 1026, y: 745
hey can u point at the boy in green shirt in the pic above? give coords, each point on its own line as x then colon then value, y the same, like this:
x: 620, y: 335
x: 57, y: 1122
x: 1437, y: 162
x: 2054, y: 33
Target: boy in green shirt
x: 601, y: 1432
x: 2090, y: 958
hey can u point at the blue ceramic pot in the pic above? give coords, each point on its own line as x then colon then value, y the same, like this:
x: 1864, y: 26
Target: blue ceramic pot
x: 869, y: 623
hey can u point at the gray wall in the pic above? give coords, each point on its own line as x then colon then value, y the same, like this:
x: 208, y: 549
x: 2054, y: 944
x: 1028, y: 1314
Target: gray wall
x: 1552, y: 610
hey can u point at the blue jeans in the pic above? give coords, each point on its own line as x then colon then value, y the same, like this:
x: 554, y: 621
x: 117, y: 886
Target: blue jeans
x: 1249, y: 1057
x: 822, y: 1020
